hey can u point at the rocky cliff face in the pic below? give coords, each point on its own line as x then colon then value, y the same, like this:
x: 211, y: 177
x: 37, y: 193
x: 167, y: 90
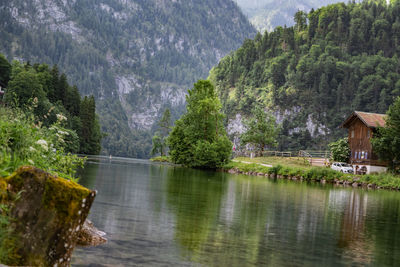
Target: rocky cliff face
x: 137, y: 57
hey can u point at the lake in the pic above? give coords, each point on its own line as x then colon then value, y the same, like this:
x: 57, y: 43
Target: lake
x: 161, y: 215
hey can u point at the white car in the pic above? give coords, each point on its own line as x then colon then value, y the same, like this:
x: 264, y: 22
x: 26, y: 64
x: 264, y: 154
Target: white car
x: 342, y: 167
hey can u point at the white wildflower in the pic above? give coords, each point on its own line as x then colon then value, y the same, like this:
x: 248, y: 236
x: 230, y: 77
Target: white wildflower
x: 32, y: 149
x: 63, y: 132
x: 43, y: 144
x: 61, y: 117
x: 31, y: 162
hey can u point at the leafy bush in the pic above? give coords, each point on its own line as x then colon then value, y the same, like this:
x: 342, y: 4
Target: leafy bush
x: 382, y: 179
x: 340, y: 150
x: 24, y: 142
x: 275, y: 170
x: 198, y: 138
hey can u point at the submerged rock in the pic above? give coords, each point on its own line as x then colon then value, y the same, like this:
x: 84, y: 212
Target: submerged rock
x: 46, y: 214
x: 89, y: 235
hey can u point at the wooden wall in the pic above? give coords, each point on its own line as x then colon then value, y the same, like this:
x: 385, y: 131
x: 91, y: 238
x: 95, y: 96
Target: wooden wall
x: 359, y: 141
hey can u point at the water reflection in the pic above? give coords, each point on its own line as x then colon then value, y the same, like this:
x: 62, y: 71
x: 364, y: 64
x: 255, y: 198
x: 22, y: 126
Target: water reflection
x: 195, y: 198
x: 160, y: 215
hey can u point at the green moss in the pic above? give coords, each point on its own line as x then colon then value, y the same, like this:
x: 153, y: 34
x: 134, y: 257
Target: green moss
x: 3, y: 190
x: 15, y: 180
x: 64, y: 196
x: 58, y: 205
x: 9, y: 250
x: 60, y: 194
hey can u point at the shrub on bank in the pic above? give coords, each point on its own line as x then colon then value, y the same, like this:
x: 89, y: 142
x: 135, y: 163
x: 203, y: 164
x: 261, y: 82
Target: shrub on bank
x: 24, y: 141
x: 382, y: 179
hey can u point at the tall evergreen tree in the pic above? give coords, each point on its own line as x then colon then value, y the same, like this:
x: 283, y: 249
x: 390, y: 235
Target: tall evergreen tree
x: 5, y: 71
x: 386, y: 143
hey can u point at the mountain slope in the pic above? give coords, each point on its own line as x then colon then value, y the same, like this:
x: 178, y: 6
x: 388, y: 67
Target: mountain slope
x: 268, y: 14
x: 335, y: 60
x: 137, y: 57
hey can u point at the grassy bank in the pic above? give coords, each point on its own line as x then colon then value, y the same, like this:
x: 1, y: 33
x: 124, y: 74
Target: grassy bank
x: 161, y: 159
x: 26, y: 141
x: 296, y: 169
x: 294, y: 162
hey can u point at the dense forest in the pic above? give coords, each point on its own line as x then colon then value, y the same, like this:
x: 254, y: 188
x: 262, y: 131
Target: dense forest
x: 334, y: 60
x: 136, y: 57
x: 46, y: 94
x: 268, y: 14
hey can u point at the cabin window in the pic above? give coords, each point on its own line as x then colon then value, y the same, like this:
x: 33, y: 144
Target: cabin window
x: 355, y: 154
x: 366, y: 155
x: 368, y: 133
x: 362, y: 154
x: 352, y: 133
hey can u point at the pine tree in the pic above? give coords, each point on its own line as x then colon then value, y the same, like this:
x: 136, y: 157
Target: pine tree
x: 5, y: 71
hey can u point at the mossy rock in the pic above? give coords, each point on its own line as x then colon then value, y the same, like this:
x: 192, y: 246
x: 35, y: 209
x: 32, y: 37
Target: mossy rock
x: 3, y: 189
x: 45, y: 218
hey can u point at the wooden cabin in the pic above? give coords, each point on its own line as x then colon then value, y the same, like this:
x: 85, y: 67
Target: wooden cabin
x: 362, y: 126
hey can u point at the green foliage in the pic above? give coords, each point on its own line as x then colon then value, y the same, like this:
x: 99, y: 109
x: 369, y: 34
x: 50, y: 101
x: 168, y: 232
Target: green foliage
x: 161, y: 159
x: 5, y: 71
x: 7, y: 240
x: 384, y: 180
x: 53, y: 102
x: 165, y: 123
x: 198, y: 138
x: 159, y: 140
x: 158, y: 145
x: 386, y: 142
x: 261, y: 130
x: 345, y: 58
x: 119, y: 139
x: 340, y: 150
x: 24, y: 142
x: 171, y: 45
x: 90, y: 134
x: 267, y: 14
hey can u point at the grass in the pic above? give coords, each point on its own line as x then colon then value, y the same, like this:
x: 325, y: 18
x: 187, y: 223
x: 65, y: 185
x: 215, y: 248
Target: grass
x: 296, y: 162
x: 296, y: 167
x: 161, y: 159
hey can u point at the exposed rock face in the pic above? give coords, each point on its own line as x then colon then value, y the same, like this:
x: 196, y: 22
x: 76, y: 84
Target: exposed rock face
x: 45, y: 218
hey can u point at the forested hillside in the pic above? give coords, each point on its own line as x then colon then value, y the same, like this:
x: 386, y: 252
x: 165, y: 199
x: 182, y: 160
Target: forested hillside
x: 335, y: 60
x: 44, y: 94
x: 136, y: 57
x: 268, y: 14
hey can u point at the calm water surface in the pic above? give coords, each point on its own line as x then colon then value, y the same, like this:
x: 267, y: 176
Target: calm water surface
x: 158, y: 215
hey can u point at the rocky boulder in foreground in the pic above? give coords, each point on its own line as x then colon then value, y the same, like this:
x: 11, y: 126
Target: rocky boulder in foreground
x: 45, y: 215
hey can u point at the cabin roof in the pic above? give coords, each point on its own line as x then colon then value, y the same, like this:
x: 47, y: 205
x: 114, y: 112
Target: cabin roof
x: 371, y: 120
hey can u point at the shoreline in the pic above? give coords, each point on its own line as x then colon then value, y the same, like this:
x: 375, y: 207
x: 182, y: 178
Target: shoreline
x: 321, y: 175
x: 315, y: 174
x: 336, y: 181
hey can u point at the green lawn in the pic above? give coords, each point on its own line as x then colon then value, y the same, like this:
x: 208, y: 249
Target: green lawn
x: 297, y: 162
